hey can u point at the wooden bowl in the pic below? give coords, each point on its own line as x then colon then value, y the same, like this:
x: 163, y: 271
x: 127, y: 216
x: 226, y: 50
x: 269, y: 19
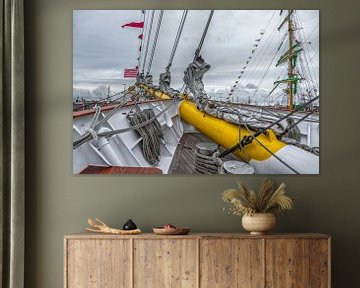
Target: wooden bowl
x: 171, y: 231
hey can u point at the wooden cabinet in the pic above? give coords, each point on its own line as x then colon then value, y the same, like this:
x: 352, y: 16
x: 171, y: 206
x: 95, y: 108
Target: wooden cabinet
x: 197, y: 260
x: 231, y: 263
x: 165, y: 263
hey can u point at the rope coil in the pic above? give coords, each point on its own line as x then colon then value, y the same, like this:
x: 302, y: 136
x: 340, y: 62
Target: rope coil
x: 150, y: 133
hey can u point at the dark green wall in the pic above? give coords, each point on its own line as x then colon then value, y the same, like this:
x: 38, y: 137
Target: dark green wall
x: 59, y: 203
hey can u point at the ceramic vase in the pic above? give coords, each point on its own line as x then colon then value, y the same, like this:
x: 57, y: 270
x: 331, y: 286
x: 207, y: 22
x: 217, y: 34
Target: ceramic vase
x: 259, y: 223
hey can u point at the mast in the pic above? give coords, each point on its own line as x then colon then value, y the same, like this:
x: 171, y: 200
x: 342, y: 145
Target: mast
x: 290, y: 57
x: 291, y: 66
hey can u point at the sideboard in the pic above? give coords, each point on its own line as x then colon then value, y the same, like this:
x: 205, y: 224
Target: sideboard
x: 197, y: 260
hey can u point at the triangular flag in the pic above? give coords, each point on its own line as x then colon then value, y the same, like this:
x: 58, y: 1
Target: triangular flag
x: 134, y: 25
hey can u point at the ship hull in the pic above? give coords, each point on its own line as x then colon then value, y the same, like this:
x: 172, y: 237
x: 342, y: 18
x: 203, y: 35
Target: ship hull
x: 176, y: 118
x: 125, y: 149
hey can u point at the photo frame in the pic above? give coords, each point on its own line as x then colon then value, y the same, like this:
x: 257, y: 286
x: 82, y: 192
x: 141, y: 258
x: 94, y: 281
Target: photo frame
x: 131, y: 123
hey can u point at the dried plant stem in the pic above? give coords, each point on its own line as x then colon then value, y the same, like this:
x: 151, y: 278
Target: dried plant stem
x: 101, y: 227
x: 268, y: 200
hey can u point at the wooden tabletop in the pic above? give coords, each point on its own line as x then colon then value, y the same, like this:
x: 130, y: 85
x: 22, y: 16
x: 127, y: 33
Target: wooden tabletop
x: 89, y: 235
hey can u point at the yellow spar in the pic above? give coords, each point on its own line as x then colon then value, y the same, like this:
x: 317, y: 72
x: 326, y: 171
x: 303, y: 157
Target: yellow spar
x: 227, y: 134
x: 157, y: 93
x: 221, y: 132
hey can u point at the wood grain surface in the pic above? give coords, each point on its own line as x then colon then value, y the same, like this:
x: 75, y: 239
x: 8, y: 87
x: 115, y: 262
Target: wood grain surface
x: 197, y: 260
x: 320, y: 263
x: 228, y: 263
x: 98, y: 263
x: 287, y: 263
x: 165, y: 263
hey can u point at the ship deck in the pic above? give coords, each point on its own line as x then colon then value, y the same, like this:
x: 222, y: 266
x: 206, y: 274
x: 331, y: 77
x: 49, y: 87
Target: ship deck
x: 184, y: 158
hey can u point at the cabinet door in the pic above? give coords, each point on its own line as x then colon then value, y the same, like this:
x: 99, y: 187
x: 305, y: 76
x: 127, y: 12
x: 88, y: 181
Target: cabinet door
x: 230, y: 263
x: 98, y: 263
x: 165, y: 263
x: 320, y: 263
x: 287, y: 263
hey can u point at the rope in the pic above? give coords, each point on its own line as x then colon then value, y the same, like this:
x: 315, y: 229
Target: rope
x: 247, y: 140
x: 177, y: 38
x: 148, y: 40
x: 268, y: 150
x: 102, y: 100
x: 95, y: 119
x: 155, y: 41
x: 313, y: 150
x: 293, y: 125
x: 111, y: 133
x: 207, y: 164
x: 255, y: 47
x: 197, y: 52
x: 91, y: 132
x: 255, y: 70
x: 293, y: 112
x: 263, y: 77
x: 143, y: 18
x: 88, y: 136
x: 151, y: 134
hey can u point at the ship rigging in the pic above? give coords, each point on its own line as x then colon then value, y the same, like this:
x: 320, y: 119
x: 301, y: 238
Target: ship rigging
x: 266, y: 138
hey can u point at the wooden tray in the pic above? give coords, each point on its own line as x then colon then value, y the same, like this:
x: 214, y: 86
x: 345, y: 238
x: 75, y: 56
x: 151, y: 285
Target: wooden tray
x: 171, y: 231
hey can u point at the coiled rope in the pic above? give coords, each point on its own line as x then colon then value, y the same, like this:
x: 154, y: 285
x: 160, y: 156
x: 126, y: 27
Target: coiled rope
x: 207, y: 164
x: 89, y: 136
x: 150, y: 133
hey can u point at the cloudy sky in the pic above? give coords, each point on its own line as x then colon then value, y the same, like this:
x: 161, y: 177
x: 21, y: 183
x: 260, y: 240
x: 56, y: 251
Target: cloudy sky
x: 102, y: 49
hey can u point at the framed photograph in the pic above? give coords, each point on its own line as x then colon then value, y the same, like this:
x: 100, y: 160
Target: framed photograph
x: 196, y: 92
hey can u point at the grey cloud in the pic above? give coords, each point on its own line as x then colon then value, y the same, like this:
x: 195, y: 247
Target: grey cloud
x: 102, y: 49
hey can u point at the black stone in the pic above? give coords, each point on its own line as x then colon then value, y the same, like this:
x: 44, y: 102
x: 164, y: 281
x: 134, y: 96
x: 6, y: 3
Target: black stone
x: 129, y: 225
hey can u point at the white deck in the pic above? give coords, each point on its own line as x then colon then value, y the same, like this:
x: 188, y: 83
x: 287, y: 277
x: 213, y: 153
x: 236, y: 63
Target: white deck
x: 124, y: 149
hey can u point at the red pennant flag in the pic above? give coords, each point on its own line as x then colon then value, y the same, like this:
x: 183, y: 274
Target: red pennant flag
x: 140, y: 36
x: 134, y: 25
